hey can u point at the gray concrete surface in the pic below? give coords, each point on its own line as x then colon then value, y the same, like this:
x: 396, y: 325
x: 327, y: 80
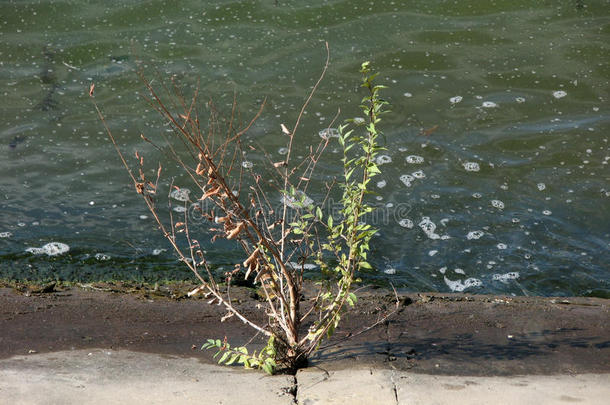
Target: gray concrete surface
x: 124, y: 377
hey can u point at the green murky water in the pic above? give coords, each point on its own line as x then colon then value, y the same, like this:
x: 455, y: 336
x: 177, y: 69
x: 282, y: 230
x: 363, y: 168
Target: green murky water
x: 509, y: 194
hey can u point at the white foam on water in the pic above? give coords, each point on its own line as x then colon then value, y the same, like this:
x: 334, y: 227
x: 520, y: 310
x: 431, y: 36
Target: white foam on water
x: 406, y: 223
x: 402, y: 149
x: 459, y: 271
x: 306, y: 266
x: 359, y: 120
x: 181, y: 194
x: 428, y: 227
x: 456, y: 99
x: 559, y: 94
x: 383, y: 159
x: 419, y: 174
x: 432, y: 253
x: 50, y: 249
x: 501, y: 246
x: 381, y: 184
x: 489, y: 104
x: 390, y: 271
x: 246, y: 164
x: 547, y: 212
x: 157, y: 252
x: 143, y: 216
x: 497, y: 204
x: 477, y: 195
x: 179, y: 208
x: 414, y: 159
x: 458, y: 285
x: 474, y: 235
x: 55, y: 248
x: 282, y: 151
x: 471, y: 166
x: 290, y: 201
x: 407, y: 94
x: 442, y: 270
x: 504, y: 278
x: 520, y: 100
x: 328, y: 133
x: 541, y: 186
x: 406, y: 179
x: 102, y: 257
x: 5, y: 234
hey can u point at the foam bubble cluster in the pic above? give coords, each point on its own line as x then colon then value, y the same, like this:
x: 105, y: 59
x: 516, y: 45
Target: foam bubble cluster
x: 180, y: 194
x: 300, y: 196
x: 383, y: 159
x: 489, y: 104
x: 50, y: 249
x: 5, y: 234
x: 246, y: 164
x: 541, y: 186
x: 504, y: 278
x: 497, y: 204
x: 559, y: 94
x: 329, y: 133
x: 474, y: 235
x: 414, y: 159
x: 390, y: 271
x: 102, y: 257
x: 418, y: 174
x: 406, y: 223
x: 458, y: 285
x: 429, y: 228
x: 471, y: 166
x: 407, y: 179
x: 455, y: 100
x: 381, y: 184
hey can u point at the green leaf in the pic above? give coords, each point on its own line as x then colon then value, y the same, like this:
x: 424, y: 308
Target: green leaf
x: 365, y: 265
x: 224, y: 357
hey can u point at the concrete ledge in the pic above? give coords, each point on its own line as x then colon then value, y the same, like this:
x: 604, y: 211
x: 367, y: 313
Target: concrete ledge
x: 123, y: 377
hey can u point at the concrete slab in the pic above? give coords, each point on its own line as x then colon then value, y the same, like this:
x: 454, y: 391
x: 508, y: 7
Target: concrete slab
x: 354, y: 387
x: 420, y: 389
x: 124, y: 377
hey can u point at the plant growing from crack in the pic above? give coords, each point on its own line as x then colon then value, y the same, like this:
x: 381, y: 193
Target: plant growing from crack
x: 276, y: 243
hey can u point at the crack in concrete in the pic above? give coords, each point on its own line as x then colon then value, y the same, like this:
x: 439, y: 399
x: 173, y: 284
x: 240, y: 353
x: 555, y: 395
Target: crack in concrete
x: 294, y: 390
x: 394, y: 386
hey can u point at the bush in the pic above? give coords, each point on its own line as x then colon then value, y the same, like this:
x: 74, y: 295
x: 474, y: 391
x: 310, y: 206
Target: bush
x: 271, y: 240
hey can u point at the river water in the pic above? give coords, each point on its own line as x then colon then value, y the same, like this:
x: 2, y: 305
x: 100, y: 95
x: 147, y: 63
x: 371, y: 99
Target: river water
x: 495, y: 178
